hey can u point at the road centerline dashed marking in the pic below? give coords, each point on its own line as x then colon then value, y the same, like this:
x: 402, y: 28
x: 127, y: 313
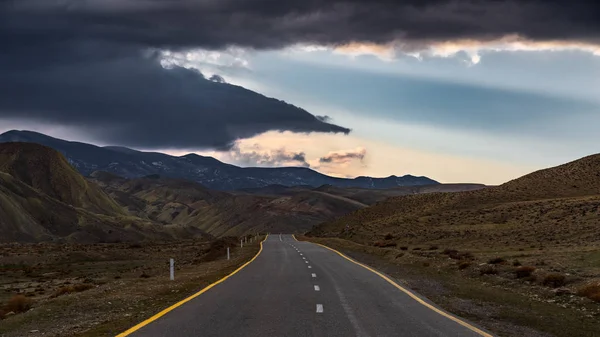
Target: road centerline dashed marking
x: 314, y: 275
x: 319, y: 308
x: 317, y: 288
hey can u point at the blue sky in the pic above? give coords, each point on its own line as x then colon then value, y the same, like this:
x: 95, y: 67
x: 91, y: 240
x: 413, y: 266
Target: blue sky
x: 511, y: 112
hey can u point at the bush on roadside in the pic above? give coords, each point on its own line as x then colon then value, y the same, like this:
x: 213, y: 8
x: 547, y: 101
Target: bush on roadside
x: 464, y: 265
x: 524, y: 271
x: 17, y: 304
x: 554, y: 280
x: 384, y: 244
x: 591, y: 291
x: 72, y: 289
x: 497, y: 260
x: 449, y: 251
x: 82, y: 287
x: 488, y: 270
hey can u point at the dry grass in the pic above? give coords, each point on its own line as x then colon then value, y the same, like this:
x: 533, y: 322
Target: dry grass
x: 18, y: 304
x: 590, y: 290
x: 497, y: 260
x: 72, y: 289
x: 96, y: 289
x: 488, y: 270
x: 554, y: 280
x: 524, y: 271
x: 464, y: 265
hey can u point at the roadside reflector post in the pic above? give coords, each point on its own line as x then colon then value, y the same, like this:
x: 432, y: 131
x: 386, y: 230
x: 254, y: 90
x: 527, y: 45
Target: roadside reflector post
x: 242, y: 243
x: 227, y: 253
x: 172, y: 269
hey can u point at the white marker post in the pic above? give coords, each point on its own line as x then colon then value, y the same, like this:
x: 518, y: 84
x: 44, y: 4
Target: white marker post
x: 227, y: 253
x: 242, y: 243
x: 172, y: 269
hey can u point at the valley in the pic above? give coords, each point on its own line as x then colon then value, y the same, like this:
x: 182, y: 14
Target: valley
x: 483, y: 252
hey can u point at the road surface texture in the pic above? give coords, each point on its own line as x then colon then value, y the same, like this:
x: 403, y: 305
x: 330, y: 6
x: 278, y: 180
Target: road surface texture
x: 302, y: 289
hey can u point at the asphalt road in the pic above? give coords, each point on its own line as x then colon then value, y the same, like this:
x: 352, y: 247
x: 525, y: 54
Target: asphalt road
x: 301, y: 289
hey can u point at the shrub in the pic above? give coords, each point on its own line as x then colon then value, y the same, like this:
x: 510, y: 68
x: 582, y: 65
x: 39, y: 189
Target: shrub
x: 426, y: 264
x: 464, y: 265
x: 72, y: 289
x: 388, y: 236
x: 417, y: 248
x: 554, y: 280
x: 591, y: 291
x: 524, y: 271
x: 403, y: 248
x: 516, y: 263
x: 448, y: 251
x: 595, y: 297
x: 144, y: 275
x: 456, y: 255
x: 62, y: 291
x: 497, y: 260
x: 384, y: 244
x: 18, y: 303
x: 488, y: 270
x: 434, y: 247
x: 82, y: 287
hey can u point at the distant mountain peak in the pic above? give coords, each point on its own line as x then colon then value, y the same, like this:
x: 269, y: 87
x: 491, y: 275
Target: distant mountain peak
x: 121, y: 149
x: 208, y: 171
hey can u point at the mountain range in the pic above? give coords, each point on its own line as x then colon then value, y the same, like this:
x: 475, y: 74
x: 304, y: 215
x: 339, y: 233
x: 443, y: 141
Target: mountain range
x: 43, y: 198
x: 208, y: 171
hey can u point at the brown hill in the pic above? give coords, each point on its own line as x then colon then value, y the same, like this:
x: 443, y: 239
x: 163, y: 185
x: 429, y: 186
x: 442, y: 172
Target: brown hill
x: 190, y: 204
x: 49, y: 172
x: 27, y: 215
x: 43, y: 199
x: 273, y: 208
x: 559, y: 204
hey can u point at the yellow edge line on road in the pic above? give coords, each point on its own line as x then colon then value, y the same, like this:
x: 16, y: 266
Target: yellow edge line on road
x: 294, y: 236
x: 415, y: 297
x: 162, y: 313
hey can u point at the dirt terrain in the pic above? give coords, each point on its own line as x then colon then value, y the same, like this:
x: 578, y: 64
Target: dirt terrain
x: 103, y: 289
x: 516, y: 293
x: 535, y: 239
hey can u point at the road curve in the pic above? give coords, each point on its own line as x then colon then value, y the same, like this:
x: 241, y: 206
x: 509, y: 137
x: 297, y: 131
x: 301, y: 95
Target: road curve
x: 302, y: 289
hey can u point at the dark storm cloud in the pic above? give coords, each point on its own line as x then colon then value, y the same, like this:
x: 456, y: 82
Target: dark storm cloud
x: 275, y: 23
x: 220, y: 79
x: 325, y: 118
x: 88, y: 64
